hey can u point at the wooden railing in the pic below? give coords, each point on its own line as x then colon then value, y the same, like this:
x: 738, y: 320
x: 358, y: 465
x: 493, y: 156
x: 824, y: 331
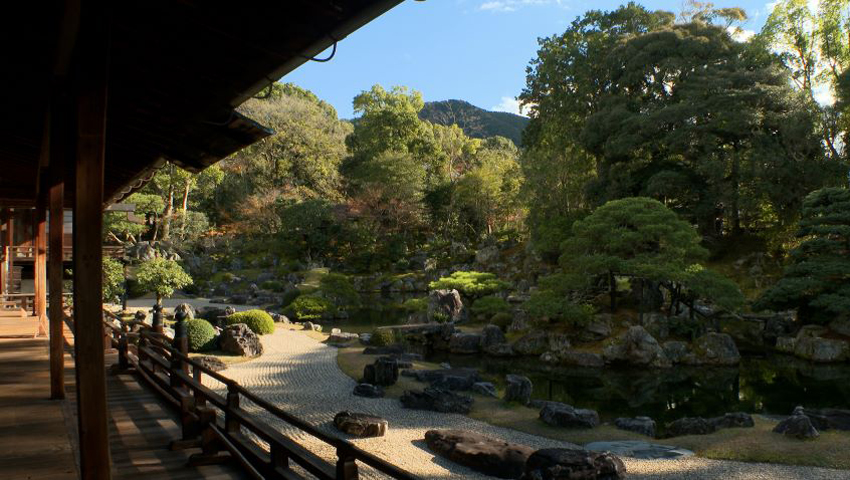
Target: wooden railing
x: 27, y: 252
x: 218, y: 423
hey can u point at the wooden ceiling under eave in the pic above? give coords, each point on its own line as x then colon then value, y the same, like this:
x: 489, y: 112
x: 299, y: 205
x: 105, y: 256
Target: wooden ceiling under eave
x: 178, y: 69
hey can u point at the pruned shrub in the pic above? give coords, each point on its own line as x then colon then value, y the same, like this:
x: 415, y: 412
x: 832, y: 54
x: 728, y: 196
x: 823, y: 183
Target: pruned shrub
x: 273, y: 285
x: 259, y: 321
x: 502, y: 320
x: 289, y: 296
x: 382, y: 337
x: 311, y: 307
x: 415, y: 305
x: 201, y: 335
x: 489, y: 306
x: 471, y: 284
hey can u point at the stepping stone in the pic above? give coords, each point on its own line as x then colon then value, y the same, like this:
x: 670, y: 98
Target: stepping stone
x: 361, y: 425
x: 573, y: 464
x: 368, y: 390
x: 638, y: 449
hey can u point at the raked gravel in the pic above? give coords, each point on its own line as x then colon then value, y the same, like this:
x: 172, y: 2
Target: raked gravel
x: 301, y: 376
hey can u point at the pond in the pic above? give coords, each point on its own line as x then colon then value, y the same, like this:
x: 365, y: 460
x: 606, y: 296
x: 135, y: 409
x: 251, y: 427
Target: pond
x: 770, y: 384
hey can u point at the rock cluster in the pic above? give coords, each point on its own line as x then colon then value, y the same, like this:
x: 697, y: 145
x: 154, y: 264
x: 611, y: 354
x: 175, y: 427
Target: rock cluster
x: 436, y: 399
x: 446, y: 305
x: 642, y: 425
x: 368, y: 390
x: 704, y: 426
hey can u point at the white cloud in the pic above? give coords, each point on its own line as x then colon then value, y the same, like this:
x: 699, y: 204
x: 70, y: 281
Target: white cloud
x: 514, y: 5
x: 508, y: 104
x: 740, y: 35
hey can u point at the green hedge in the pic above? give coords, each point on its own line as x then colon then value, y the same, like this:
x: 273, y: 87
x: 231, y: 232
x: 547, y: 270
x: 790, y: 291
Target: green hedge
x: 201, y: 335
x: 471, y: 284
x: 502, y: 320
x: 258, y: 321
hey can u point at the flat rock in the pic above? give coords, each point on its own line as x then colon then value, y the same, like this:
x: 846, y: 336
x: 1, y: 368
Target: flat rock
x: 368, y: 390
x: 563, y: 415
x: 482, y: 454
x: 437, y: 400
x: 361, y: 425
x: 465, y: 343
x: 573, y: 464
x: 733, y: 420
x: 213, y: 363
x: 638, y: 449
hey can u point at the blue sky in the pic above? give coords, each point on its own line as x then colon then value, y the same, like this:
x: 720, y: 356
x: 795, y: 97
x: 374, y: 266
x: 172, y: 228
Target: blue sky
x: 474, y: 50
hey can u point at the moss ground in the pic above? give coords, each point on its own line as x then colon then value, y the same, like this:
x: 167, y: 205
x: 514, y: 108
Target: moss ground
x: 758, y: 444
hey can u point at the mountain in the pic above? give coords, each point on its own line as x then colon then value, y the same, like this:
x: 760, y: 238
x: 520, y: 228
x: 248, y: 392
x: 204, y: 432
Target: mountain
x: 475, y: 122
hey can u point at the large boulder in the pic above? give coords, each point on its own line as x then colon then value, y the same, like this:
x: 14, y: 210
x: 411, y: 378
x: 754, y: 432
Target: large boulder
x: 713, y: 349
x: 824, y: 350
x: 797, y: 426
x: 690, y: 426
x: 534, y: 343
x: 491, y: 335
x: 467, y: 343
x: 518, y: 389
x: 675, y: 350
x: 485, y: 388
x: 563, y: 415
x: 477, y: 452
x: 642, y: 425
x: 436, y: 399
x: 360, y: 425
x: 238, y: 339
x: 383, y: 372
x: 487, y: 255
x: 186, y: 309
x: 636, y: 347
x: 446, y: 304
x: 573, y: 464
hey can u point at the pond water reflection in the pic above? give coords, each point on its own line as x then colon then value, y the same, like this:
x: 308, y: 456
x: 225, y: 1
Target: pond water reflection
x: 767, y: 384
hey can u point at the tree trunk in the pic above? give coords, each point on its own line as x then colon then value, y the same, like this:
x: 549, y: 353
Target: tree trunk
x: 185, y: 207
x: 158, y: 299
x: 166, y: 215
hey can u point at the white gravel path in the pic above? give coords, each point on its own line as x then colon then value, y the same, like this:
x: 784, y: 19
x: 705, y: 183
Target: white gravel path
x: 301, y: 375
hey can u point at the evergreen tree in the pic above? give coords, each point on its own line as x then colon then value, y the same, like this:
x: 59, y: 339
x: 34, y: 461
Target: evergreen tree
x: 817, y: 282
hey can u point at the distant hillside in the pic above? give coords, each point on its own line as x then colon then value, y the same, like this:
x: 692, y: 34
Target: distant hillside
x: 475, y: 122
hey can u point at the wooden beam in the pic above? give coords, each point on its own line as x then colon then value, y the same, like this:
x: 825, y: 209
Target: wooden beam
x: 90, y: 92
x: 59, y: 148
x: 4, y: 252
x: 10, y: 242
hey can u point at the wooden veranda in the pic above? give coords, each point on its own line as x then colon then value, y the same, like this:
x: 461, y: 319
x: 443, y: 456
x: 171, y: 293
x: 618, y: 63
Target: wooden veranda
x: 99, y: 95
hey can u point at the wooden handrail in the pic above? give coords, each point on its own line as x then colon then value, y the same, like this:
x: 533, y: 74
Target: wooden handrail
x: 166, y: 368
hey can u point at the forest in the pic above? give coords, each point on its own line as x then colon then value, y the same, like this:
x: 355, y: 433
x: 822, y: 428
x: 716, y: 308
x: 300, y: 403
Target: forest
x: 663, y: 148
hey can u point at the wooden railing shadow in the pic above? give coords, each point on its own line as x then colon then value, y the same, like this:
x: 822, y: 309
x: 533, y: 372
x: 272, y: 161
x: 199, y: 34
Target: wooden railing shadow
x: 217, y: 424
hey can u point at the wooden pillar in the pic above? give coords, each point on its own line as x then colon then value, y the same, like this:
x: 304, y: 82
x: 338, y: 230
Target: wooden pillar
x: 4, y: 252
x: 90, y: 93
x: 40, y: 259
x: 10, y: 242
x: 59, y: 146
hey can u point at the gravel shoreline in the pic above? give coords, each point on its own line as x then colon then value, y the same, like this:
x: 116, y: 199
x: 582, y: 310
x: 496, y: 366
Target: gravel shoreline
x: 301, y: 375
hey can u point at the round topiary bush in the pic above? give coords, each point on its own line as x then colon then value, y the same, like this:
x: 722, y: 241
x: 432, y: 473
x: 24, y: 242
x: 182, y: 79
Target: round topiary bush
x: 489, y: 306
x: 259, y: 321
x: 382, y: 337
x: 201, y: 335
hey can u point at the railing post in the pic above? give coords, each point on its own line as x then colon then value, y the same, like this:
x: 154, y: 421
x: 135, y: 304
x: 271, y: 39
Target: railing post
x: 346, y: 465
x: 279, y: 457
x: 123, y: 347
x: 200, y: 400
x: 181, y: 345
x: 231, y: 423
